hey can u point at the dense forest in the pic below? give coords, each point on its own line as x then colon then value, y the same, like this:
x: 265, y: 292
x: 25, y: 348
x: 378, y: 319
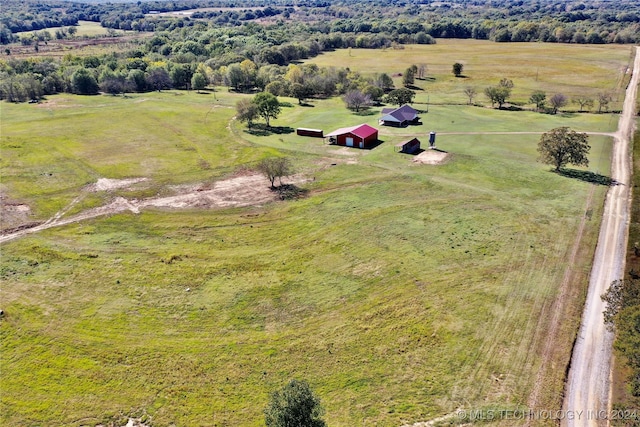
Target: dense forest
x: 604, y: 21
x: 248, y: 45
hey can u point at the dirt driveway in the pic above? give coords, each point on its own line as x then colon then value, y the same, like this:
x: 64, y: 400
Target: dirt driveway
x: 588, y: 386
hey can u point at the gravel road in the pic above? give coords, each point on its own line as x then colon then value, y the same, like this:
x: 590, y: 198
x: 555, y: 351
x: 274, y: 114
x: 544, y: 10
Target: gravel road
x: 588, y: 384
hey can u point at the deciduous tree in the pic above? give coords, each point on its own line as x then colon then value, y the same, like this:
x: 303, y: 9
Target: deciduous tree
x: 400, y: 96
x: 198, y: 81
x: 471, y: 93
x: 422, y: 71
x: 583, y: 101
x: 84, y: 83
x: 355, y: 100
x: 159, y: 79
x: 539, y: 98
x: 562, y: 146
x: 497, y: 95
x: 557, y: 101
x: 457, y: 69
x: 246, y: 111
x: 603, y: 101
x: 275, y: 167
x: 267, y: 105
x: 384, y: 82
x: 408, y: 78
x: 301, y: 91
x: 295, y: 405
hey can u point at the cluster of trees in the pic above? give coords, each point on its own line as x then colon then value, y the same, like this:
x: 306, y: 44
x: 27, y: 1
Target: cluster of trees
x: 264, y: 104
x: 501, y: 93
x: 622, y: 314
x: 22, y: 80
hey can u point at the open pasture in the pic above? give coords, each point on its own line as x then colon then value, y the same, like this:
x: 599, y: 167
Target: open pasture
x: 570, y: 69
x: 401, y: 292
x: 91, y: 38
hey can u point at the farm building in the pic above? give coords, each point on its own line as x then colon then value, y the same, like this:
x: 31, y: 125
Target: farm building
x: 361, y: 136
x: 411, y: 146
x: 399, y: 117
x: 317, y: 133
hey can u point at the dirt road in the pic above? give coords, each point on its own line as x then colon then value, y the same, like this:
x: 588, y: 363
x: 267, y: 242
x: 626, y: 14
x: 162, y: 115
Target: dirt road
x: 588, y: 385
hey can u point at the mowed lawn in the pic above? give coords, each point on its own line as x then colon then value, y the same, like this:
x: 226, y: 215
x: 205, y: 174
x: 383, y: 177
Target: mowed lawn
x: 401, y: 292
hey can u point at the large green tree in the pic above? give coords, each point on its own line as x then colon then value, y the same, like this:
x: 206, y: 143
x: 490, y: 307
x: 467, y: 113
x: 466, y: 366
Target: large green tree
x: 198, y: 81
x: 400, y: 96
x: 457, y: 69
x: 247, y: 111
x: 562, y: 146
x: 268, y: 106
x: 539, y: 98
x: 408, y: 78
x: 295, y: 405
x: 83, y: 82
x: 497, y: 95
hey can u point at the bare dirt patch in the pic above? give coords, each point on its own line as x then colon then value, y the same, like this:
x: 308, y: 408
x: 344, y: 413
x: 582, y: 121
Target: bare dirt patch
x: 106, y: 184
x: 247, y: 189
x: 431, y: 157
x: 55, y: 104
x: 12, y: 213
x: 244, y: 190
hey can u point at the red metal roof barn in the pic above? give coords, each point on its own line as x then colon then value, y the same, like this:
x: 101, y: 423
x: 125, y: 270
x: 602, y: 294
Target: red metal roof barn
x: 361, y: 136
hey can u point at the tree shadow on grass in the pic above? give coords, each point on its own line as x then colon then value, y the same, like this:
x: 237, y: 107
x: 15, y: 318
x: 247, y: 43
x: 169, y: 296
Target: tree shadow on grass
x: 364, y: 112
x: 260, y: 129
x: 587, y: 176
x: 290, y: 191
x: 510, y: 107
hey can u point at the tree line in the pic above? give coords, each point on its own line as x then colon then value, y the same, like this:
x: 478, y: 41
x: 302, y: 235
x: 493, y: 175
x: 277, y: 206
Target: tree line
x: 400, y: 22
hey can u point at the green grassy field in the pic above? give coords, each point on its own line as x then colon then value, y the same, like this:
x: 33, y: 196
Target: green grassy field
x: 84, y: 28
x: 401, y: 292
x: 569, y: 69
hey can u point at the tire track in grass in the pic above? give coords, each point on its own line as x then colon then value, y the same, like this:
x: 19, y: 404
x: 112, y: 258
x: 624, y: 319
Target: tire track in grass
x: 555, y: 310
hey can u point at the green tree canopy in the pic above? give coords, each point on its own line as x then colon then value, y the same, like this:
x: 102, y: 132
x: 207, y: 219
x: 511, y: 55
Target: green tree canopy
x: 198, y: 81
x: 247, y: 111
x: 295, y: 405
x: 400, y: 96
x: 539, y: 98
x: 457, y: 69
x: 408, y: 78
x: 562, y: 146
x: 268, y: 106
x: 83, y: 82
x: 497, y: 95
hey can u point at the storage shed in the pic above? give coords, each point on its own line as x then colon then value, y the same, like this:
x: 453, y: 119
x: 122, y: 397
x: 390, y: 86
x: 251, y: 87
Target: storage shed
x: 361, y: 136
x: 411, y: 146
x: 317, y: 133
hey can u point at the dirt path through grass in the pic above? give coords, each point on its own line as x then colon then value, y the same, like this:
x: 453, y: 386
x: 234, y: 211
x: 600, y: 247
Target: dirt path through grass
x: 244, y: 190
x: 588, y: 383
